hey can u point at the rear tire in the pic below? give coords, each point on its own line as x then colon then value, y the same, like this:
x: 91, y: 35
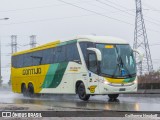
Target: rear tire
x: 24, y: 90
x: 30, y: 90
x: 113, y: 96
x: 82, y: 92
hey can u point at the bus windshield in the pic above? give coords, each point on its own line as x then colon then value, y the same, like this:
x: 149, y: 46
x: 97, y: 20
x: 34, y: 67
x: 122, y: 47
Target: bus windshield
x: 117, y: 60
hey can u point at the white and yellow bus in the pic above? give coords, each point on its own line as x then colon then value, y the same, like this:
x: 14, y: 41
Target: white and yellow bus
x: 86, y: 65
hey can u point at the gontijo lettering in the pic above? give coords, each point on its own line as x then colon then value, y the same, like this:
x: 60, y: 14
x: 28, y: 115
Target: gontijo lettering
x: 31, y: 71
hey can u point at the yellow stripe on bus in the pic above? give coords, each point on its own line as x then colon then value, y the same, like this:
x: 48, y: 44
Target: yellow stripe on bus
x: 113, y: 80
x: 42, y: 47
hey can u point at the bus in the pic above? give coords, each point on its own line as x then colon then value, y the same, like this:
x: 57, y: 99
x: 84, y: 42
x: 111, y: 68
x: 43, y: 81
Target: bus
x: 86, y: 65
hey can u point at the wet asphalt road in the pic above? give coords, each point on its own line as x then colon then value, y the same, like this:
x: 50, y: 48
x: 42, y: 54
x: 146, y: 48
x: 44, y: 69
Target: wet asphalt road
x: 95, y: 102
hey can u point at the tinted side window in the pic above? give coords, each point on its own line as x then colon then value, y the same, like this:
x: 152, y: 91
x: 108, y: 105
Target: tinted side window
x: 84, y: 46
x: 60, y: 54
x: 14, y: 61
x: 37, y: 58
x: 92, y: 62
x: 48, y: 56
x: 27, y: 59
x: 72, y: 52
x: 19, y: 61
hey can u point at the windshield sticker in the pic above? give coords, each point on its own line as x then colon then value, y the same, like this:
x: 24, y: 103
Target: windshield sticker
x: 109, y: 46
x: 123, y: 72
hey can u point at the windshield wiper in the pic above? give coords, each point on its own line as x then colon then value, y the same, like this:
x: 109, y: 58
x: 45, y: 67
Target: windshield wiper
x: 120, y: 65
x: 129, y: 74
x: 117, y: 66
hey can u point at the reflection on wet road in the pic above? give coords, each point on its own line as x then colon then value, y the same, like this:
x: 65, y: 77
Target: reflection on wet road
x: 95, y: 102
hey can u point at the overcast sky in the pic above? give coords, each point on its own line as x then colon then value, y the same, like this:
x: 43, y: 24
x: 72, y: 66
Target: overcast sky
x: 50, y: 20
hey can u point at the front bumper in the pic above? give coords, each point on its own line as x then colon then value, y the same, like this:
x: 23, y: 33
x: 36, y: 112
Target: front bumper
x: 118, y: 88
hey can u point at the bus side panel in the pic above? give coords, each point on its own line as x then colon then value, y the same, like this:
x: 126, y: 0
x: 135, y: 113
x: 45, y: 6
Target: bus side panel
x: 72, y: 74
x: 62, y: 77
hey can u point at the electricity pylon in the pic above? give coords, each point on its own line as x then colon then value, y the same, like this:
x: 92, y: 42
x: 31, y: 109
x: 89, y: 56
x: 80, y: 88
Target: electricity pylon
x: 14, y: 43
x: 141, y: 41
x: 33, y: 41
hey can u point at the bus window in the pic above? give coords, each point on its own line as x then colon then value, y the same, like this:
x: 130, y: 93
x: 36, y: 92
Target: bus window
x: 19, y: 61
x: 48, y: 56
x: 27, y: 60
x: 84, y: 46
x: 72, y: 53
x: 14, y: 61
x: 60, y: 55
x: 37, y: 58
x: 92, y: 62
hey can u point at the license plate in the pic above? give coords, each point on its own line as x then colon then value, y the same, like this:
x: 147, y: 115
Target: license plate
x: 122, y: 89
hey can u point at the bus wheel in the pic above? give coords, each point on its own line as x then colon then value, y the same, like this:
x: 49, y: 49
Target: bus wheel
x: 24, y: 90
x: 82, y: 93
x: 113, y: 96
x: 30, y: 90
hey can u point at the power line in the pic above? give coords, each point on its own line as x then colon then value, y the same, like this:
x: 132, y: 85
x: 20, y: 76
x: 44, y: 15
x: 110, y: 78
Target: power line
x: 155, y: 10
x: 101, y: 7
x: 133, y: 11
x: 155, y: 44
x: 131, y: 14
x: 123, y: 10
x: 96, y: 13
x: 148, y: 5
x: 50, y: 19
x: 118, y: 5
x: 38, y: 7
x: 73, y: 16
x: 114, y: 7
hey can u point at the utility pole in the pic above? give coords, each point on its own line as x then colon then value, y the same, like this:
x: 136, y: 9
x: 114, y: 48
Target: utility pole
x: 141, y: 41
x: 0, y: 54
x: 13, y: 44
x: 13, y: 48
x: 33, y: 41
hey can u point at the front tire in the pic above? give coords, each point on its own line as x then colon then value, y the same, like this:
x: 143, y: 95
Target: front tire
x: 82, y: 92
x: 113, y: 96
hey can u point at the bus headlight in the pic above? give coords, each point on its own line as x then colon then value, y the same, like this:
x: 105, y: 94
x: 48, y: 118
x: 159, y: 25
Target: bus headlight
x: 106, y: 82
x: 135, y: 82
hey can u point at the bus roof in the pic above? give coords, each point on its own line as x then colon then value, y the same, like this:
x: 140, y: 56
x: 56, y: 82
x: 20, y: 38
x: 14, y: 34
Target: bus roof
x: 81, y: 38
x: 41, y: 47
x: 101, y: 39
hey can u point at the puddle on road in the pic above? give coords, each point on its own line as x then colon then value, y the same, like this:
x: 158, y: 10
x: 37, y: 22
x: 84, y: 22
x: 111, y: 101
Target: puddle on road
x: 95, y: 103
x: 13, y: 107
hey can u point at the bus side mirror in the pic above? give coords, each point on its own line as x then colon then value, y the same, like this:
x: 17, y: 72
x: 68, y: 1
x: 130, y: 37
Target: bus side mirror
x: 140, y: 57
x: 98, y: 53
